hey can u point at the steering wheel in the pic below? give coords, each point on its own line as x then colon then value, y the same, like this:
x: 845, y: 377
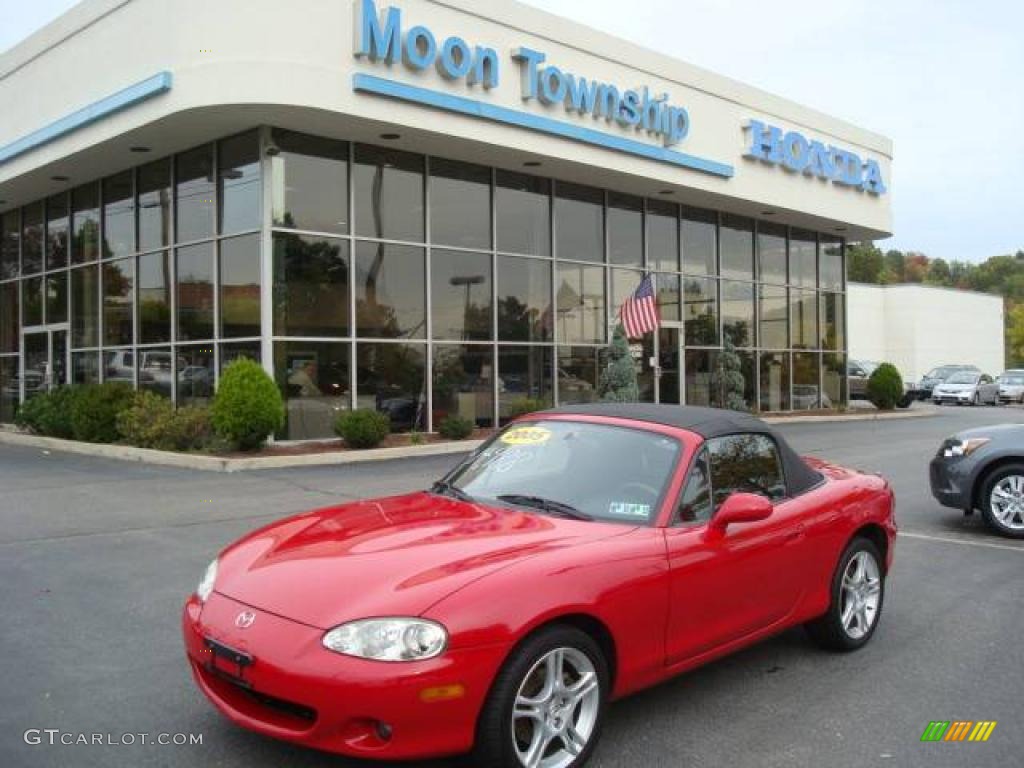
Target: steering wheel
x: 642, y: 490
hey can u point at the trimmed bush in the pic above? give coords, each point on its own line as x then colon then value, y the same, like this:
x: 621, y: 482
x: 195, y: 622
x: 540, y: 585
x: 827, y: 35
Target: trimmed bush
x: 364, y: 428
x: 49, y: 414
x: 885, y: 387
x: 618, y: 382
x: 152, y: 422
x: 524, y: 405
x: 455, y: 427
x: 95, y: 408
x: 247, y: 408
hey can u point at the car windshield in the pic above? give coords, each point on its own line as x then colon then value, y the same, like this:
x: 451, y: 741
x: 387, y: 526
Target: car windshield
x: 572, y: 469
x: 962, y: 378
x: 1015, y: 381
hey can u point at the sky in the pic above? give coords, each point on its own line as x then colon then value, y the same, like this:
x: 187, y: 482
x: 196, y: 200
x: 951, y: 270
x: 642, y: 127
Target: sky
x: 944, y: 79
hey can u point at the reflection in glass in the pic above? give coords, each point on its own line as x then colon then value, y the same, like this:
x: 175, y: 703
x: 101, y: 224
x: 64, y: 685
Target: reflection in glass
x: 581, y: 305
x: 156, y: 370
x: 748, y: 370
x: 85, y: 224
x: 745, y: 463
x: 669, y: 297
x: 238, y: 169
x: 833, y: 321
x: 10, y: 244
x: 579, y: 373
x: 85, y: 366
x: 579, y: 222
x: 32, y: 239
x: 774, y: 371
x: 10, y: 383
x: 311, y: 278
x: 310, y: 183
x: 670, y: 365
x: 391, y: 378
x: 195, y: 292
x: 738, y: 312
x: 32, y: 301
x: 662, y: 236
x: 524, y: 299
x: 464, y: 383
x: 194, y: 197
x: 737, y: 244
x: 57, y: 298
x: 154, y: 193
x: 523, y: 210
x: 624, y: 283
x: 154, y: 298
x: 460, y: 204
x: 10, y: 325
x: 803, y: 254
x: 771, y: 250
x: 389, y: 193
x: 625, y: 230
x: 195, y: 367
x: 118, y: 215
x: 524, y: 380
x: 314, y: 378
x: 119, y: 366
x: 774, y: 317
x: 831, y: 263
x: 700, y: 366
x: 804, y: 316
x: 806, y: 394
x: 390, y: 295
x: 231, y: 352
x: 460, y: 284
x: 118, y: 302
x: 57, y: 222
x: 240, y: 286
x: 700, y: 311
x: 834, y: 379
x: 700, y: 241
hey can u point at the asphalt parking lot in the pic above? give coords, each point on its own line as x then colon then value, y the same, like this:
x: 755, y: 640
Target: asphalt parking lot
x: 96, y: 557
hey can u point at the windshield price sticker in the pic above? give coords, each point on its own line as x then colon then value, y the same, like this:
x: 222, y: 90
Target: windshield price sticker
x: 526, y: 436
x: 625, y: 509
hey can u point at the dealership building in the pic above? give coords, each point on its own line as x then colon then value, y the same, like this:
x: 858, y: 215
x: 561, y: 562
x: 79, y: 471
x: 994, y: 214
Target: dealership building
x: 430, y: 207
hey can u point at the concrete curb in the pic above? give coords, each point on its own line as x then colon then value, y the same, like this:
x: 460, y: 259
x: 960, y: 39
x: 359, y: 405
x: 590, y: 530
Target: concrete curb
x: 336, y: 458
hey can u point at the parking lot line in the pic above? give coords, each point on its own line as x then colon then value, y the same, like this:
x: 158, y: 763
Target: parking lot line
x: 968, y: 542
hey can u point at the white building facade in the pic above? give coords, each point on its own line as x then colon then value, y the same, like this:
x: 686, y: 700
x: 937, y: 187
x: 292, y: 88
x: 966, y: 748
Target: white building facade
x: 427, y: 207
x: 919, y: 327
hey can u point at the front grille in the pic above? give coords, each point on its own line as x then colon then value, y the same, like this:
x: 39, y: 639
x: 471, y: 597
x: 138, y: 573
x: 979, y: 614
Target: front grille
x: 256, y: 703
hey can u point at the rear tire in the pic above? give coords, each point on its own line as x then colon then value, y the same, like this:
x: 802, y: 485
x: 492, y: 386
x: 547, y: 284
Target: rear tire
x: 1007, y: 516
x: 858, y: 594
x: 531, y: 713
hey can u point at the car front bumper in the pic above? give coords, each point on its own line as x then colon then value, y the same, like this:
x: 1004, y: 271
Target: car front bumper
x: 950, y: 482
x: 296, y: 690
x: 953, y: 398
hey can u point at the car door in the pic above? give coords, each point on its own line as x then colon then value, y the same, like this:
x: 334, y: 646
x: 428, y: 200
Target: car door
x: 989, y: 389
x: 723, y: 589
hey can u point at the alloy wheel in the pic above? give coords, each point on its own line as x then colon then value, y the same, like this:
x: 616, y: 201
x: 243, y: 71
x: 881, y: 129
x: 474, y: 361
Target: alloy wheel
x: 1007, y: 502
x: 556, y: 709
x: 861, y: 595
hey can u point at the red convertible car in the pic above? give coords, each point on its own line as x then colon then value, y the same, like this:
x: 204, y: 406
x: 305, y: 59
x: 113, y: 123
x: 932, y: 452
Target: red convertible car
x: 580, y: 555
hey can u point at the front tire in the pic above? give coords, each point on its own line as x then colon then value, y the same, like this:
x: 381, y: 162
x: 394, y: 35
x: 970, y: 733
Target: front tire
x: 858, y: 592
x: 547, y: 703
x: 1002, y: 501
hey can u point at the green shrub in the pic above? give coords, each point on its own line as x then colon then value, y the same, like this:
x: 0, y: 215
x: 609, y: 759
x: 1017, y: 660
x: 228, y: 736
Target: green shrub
x: 247, y: 408
x: 454, y: 427
x: 885, y: 387
x: 95, y: 408
x: 152, y: 422
x: 524, y: 405
x: 618, y: 382
x: 49, y: 413
x: 364, y: 428
x: 416, y: 437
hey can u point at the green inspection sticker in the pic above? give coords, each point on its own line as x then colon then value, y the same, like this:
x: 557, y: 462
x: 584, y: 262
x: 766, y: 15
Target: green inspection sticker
x: 625, y: 509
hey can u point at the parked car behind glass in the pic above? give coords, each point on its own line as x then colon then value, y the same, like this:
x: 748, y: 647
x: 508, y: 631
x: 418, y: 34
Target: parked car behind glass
x: 967, y: 388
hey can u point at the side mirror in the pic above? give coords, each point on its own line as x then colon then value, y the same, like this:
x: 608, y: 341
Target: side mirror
x: 741, y: 508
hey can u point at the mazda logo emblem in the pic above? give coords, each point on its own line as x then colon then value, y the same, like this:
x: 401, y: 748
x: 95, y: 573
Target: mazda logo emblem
x: 245, y: 619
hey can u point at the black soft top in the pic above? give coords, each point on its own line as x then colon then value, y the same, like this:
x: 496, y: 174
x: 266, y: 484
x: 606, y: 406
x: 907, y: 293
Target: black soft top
x: 706, y: 422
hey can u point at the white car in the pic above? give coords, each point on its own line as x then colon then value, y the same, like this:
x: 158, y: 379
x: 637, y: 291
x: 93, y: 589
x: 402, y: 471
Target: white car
x: 967, y: 388
x: 1011, y: 386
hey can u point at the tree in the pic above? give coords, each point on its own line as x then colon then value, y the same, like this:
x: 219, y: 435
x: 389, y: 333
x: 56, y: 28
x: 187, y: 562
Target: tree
x: 618, y: 381
x: 1015, y: 336
x: 727, y: 379
x: 938, y: 273
x: 894, y: 264
x: 864, y: 263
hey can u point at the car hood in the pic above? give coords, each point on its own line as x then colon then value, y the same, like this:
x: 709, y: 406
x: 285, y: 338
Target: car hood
x: 394, y: 556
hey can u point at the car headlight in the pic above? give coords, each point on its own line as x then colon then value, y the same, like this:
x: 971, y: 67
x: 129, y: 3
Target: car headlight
x: 955, y: 448
x: 206, y: 583
x: 388, y: 639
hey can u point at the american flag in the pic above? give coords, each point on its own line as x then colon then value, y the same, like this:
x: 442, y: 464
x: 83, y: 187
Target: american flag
x: 639, y: 313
